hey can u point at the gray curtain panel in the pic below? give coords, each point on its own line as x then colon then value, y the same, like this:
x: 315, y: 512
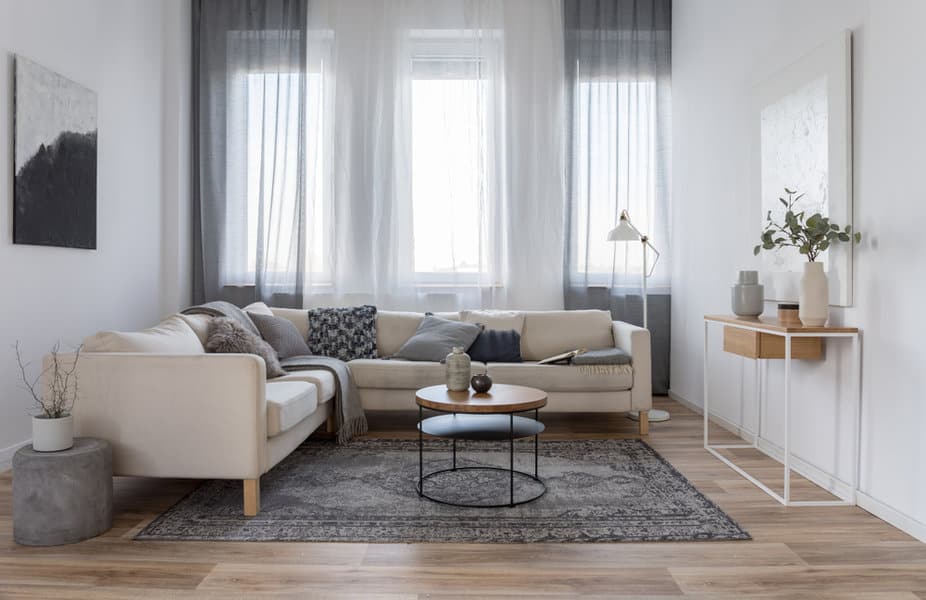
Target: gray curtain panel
x: 618, y: 66
x: 249, y: 74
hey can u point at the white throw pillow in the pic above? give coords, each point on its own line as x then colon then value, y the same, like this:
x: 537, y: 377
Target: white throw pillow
x: 496, y: 319
x: 170, y: 336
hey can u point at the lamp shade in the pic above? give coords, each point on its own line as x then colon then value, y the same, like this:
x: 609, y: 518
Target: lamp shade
x: 624, y: 232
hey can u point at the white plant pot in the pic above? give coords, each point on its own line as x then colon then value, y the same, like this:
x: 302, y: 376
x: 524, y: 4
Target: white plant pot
x: 814, y: 309
x: 52, y: 435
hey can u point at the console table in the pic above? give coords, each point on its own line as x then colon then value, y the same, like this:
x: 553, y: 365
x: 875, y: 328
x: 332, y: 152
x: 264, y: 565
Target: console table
x: 764, y: 339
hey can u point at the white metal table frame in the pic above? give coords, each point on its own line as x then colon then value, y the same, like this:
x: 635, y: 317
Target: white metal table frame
x: 849, y: 499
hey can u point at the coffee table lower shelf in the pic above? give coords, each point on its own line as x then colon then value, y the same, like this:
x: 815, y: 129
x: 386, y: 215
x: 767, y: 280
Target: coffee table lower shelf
x: 480, y: 427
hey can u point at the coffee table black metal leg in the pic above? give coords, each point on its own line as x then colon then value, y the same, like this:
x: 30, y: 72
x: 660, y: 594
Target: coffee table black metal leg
x: 420, y: 454
x: 454, y: 454
x: 511, y: 456
x: 536, y: 437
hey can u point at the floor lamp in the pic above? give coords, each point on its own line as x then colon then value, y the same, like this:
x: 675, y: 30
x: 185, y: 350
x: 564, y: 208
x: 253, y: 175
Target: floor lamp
x: 626, y: 232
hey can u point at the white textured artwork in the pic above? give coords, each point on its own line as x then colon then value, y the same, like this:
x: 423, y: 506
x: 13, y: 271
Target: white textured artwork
x: 794, y: 156
x: 803, y: 142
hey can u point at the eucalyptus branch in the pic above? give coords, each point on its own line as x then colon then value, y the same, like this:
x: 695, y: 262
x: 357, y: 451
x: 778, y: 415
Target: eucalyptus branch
x: 811, y: 235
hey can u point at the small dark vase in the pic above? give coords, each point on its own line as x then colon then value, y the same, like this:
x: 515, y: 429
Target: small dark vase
x: 481, y: 383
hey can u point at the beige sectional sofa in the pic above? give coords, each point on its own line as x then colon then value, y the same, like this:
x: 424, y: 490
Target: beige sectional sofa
x: 169, y: 409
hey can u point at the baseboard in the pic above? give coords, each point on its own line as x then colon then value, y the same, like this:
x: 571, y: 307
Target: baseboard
x: 901, y: 521
x: 6, y: 455
x: 898, y: 519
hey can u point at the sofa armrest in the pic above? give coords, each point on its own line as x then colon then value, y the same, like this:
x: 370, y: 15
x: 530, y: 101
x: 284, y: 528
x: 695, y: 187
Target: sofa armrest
x: 636, y: 342
x: 169, y: 415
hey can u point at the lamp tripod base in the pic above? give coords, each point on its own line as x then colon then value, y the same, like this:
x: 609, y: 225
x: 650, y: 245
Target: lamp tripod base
x: 655, y: 415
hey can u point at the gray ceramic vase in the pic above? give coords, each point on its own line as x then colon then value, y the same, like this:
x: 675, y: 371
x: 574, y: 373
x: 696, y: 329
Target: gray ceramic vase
x: 748, y: 295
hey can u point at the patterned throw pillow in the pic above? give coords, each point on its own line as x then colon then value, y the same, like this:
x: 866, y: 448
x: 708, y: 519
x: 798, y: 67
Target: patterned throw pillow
x: 343, y: 333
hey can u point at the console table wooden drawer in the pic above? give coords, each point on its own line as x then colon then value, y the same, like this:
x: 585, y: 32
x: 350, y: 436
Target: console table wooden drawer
x: 755, y: 344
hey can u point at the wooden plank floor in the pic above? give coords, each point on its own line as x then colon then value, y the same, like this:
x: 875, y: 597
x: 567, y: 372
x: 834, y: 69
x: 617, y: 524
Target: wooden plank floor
x: 828, y: 553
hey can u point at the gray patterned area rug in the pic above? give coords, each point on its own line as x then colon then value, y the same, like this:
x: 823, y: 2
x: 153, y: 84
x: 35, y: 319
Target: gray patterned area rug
x: 364, y: 491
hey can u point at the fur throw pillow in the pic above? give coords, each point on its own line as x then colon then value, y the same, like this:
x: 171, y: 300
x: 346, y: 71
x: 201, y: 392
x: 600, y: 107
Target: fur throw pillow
x: 227, y: 336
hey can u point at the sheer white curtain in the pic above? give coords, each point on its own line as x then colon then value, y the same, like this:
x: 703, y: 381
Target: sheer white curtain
x: 434, y: 162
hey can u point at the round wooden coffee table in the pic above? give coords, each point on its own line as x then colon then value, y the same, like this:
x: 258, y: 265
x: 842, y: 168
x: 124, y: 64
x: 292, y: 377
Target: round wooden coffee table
x: 491, y: 416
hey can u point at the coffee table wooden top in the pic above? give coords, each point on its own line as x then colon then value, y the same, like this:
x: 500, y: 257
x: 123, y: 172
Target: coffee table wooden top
x: 502, y: 398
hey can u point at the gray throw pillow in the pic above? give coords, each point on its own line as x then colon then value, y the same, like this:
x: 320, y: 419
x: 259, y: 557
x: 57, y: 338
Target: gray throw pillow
x: 436, y: 337
x: 343, y: 333
x: 228, y: 336
x: 605, y: 356
x: 281, y: 334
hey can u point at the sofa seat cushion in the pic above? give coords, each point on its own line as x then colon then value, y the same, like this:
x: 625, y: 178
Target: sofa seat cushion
x: 322, y: 380
x: 171, y: 336
x: 564, y: 378
x: 401, y: 374
x: 288, y: 403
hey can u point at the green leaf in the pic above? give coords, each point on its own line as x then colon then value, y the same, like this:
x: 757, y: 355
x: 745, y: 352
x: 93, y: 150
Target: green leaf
x: 843, y: 237
x: 756, y: 250
x: 833, y: 226
x: 848, y: 229
x: 787, y: 191
x: 858, y: 237
x: 824, y: 245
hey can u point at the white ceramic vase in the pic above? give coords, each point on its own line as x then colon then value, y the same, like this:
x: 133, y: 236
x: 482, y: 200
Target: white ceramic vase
x: 52, y: 435
x: 458, y: 370
x: 814, y: 309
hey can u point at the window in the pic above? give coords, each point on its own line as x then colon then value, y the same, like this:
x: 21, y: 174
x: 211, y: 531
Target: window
x: 274, y: 171
x: 450, y: 187
x: 614, y: 169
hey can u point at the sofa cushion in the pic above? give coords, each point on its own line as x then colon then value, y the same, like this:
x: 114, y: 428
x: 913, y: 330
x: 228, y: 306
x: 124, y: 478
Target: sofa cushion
x: 259, y: 308
x: 402, y: 374
x: 564, y: 378
x: 297, y: 316
x: 547, y: 333
x: 288, y: 403
x: 436, y: 337
x: 281, y: 334
x: 322, y: 380
x: 170, y: 336
x: 199, y: 324
x: 394, y: 328
x: 228, y: 336
x: 495, y: 319
x: 343, y: 333
x: 496, y: 346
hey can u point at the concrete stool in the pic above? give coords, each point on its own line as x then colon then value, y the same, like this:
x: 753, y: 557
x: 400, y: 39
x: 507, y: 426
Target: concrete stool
x: 62, y: 497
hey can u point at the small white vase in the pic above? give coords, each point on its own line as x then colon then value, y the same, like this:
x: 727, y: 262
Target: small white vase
x: 52, y: 435
x: 814, y: 303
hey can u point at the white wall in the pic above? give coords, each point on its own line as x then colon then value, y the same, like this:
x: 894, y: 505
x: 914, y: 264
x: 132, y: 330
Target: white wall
x: 720, y: 49
x: 118, y: 49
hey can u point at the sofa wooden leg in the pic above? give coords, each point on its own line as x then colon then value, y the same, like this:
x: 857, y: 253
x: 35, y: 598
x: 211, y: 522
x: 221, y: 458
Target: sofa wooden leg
x: 251, y: 497
x: 331, y: 425
x: 644, y: 422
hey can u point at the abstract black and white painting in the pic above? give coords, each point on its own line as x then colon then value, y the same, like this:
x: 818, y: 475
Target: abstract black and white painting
x: 54, y: 195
